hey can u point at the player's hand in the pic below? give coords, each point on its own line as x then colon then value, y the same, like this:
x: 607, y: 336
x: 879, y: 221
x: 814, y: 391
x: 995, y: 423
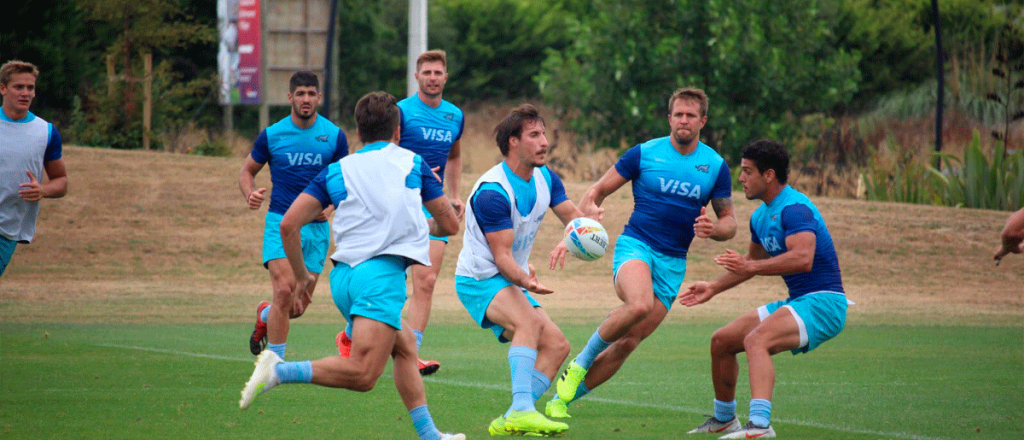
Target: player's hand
x: 301, y: 294
x: 1003, y: 251
x: 733, y: 262
x: 557, y: 258
x: 699, y: 293
x: 31, y: 191
x: 325, y: 214
x: 460, y: 209
x: 703, y: 227
x: 592, y: 210
x: 535, y: 286
x: 255, y: 198
x: 436, y: 176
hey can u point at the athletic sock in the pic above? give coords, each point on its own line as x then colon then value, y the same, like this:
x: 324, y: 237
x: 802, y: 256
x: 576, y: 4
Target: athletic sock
x: 277, y: 348
x: 295, y: 372
x: 581, y: 391
x: 760, y: 412
x: 521, y: 361
x: 419, y: 339
x: 725, y: 411
x: 423, y: 423
x: 265, y: 313
x: 594, y: 347
x: 541, y: 383
x: 348, y: 330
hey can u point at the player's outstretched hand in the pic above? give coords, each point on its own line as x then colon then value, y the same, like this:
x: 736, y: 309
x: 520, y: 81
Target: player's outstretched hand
x: 535, y: 286
x: 301, y: 296
x: 256, y: 198
x: 699, y: 293
x: 590, y: 209
x: 734, y: 262
x: 703, y: 227
x: 557, y: 258
x: 460, y: 209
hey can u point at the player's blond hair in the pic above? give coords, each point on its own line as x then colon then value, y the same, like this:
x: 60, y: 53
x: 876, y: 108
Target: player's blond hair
x: 690, y: 94
x: 14, y: 67
x: 431, y: 56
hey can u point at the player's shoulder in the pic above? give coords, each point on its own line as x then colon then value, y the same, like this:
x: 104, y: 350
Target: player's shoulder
x: 448, y: 107
x: 655, y: 143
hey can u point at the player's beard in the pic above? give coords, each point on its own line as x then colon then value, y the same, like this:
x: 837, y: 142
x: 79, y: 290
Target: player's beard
x: 684, y: 139
x: 297, y: 110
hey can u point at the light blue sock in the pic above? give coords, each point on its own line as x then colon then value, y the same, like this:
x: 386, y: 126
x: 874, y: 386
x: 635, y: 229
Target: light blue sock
x: 419, y: 339
x: 581, y: 391
x: 277, y: 348
x: 725, y: 411
x: 265, y: 313
x: 541, y: 383
x: 594, y: 347
x: 295, y: 372
x: 760, y: 412
x: 348, y: 330
x: 521, y: 361
x: 423, y: 423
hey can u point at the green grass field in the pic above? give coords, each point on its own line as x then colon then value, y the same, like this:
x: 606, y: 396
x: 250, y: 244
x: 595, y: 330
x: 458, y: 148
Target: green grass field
x: 110, y: 381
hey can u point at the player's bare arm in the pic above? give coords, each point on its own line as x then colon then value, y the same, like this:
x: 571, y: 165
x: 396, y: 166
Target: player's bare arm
x: 591, y: 202
x: 304, y: 209
x: 798, y: 258
x: 453, y: 175
x: 247, y: 183
x: 500, y: 243
x: 566, y: 212
x: 725, y: 228
x: 445, y: 221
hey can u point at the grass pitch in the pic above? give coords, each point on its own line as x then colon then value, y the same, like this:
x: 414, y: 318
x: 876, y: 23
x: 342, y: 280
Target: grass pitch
x: 109, y: 381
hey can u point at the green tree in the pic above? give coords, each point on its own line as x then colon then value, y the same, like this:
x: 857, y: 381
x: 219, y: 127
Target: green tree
x: 763, y: 64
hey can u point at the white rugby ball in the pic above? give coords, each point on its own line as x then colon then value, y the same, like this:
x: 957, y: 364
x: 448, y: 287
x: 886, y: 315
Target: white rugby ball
x: 586, y: 238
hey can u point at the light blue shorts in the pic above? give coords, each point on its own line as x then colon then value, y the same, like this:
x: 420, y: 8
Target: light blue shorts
x: 373, y: 289
x: 667, y: 272
x: 316, y: 239
x: 6, y: 252
x: 820, y: 316
x: 476, y: 296
x: 434, y: 237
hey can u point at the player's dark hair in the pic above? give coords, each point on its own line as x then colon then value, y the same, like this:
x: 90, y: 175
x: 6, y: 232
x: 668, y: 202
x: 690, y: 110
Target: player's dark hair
x: 690, y: 94
x: 768, y: 155
x: 303, y: 78
x: 14, y: 67
x: 513, y: 125
x: 377, y: 116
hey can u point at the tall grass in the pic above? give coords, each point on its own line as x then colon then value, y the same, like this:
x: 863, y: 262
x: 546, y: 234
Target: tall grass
x: 973, y: 181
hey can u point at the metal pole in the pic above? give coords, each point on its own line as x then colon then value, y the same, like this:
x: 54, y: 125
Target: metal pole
x: 941, y: 79
x: 417, y: 40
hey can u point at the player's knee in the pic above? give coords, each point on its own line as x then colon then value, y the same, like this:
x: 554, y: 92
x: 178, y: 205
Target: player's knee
x: 754, y: 341
x: 639, y: 310
x: 365, y: 382
x: 425, y: 281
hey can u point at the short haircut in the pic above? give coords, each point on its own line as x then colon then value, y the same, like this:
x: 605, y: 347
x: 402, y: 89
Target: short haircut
x: 513, y: 125
x: 377, y: 116
x: 431, y: 56
x: 768, y: 155
x: 690, y: 94
x: 303, y: 78
x: 14, y: 67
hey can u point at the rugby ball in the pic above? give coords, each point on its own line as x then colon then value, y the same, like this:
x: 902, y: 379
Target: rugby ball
x: 585, y: 238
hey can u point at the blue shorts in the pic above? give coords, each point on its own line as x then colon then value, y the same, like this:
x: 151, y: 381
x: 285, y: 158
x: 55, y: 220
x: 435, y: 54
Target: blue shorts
x: 820, y: 316
x: 433, y: 237
x: 667, y: 272
x: 316, y: 239
x: 476, y: 296
x: 6, y: 252
x: 373, y: 289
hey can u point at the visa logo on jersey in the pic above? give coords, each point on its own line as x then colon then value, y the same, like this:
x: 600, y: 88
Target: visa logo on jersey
x: 298, y: 159
x: 436, y: 134
x: 685, y: 189
x: 770, y: 244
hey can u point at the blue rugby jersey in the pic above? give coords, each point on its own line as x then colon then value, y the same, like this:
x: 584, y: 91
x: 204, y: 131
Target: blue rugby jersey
x: 296, y: 156
x: 493, y: 209
x: 791, y: 212
x: 430, y: 132
x: 668, y: 191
